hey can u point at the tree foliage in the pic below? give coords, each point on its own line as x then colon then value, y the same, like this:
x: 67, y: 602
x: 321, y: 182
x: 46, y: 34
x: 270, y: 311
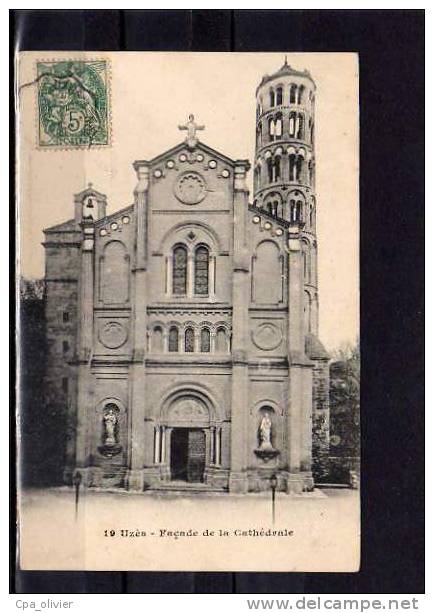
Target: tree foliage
x: 41, y: 425
x: 345, y: 411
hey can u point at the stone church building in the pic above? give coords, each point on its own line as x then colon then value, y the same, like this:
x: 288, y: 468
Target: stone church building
x: 182, y: 329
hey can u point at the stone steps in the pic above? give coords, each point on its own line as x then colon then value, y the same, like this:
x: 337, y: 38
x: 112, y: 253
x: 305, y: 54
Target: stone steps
x: 183, y: 486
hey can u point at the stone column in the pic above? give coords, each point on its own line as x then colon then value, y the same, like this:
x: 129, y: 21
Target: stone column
x: 212, y: 446
x: 84, y: 352
x: 240, y: 313
x: 196, y: 340
x: 211, y: 276
x: 141, y: 449
x: 168, y: 269
x: 218, y: 444
x: 213, y: 341
x: 190, y: 274
x: 299, y: 421
x: 157, y: 435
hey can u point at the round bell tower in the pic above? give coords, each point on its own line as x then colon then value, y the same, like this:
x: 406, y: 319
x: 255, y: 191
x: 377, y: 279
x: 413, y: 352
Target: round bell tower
x: 284, y: 170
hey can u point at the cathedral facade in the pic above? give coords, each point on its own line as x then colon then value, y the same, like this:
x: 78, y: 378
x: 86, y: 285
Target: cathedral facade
x: 182, y: 330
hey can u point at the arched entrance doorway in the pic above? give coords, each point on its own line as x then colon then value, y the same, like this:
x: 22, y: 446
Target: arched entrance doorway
x: 188, y: 423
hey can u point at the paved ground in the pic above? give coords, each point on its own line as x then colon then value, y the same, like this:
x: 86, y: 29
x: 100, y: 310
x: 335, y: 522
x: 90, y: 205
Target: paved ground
x: 169, y: 531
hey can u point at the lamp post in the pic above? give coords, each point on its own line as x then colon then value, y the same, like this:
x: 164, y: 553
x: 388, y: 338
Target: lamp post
x: 273, y: 484
x: 77, y: 482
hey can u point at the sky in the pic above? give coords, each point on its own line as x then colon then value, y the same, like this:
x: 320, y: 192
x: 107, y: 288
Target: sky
x: 152, y: 93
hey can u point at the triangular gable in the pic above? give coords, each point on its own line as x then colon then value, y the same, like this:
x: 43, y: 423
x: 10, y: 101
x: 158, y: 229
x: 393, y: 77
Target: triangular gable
x: 90, y: 191
x: 198, y: 147
x: 67, y: 226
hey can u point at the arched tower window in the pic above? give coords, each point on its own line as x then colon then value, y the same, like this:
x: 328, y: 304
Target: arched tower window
x: 258, y: 136
x: 271, y: 128
x: 89, y: 207
x: 300, y: 94
x: 310, y: 172
x: 173, y: 339
x: 300, y: 126
x: 292, y: 167
x: 312, y: 214
x: 273, y: 204
x: 298, y: 167
x: 277, y: 168
x: 279, y: 95
x: 272, y: 97
x: 179, y: 279
x: 278, y: 126
x: 293, y: 94
x: 296, y: 206
x: 201, y: 270
x: 205, y: 343
x: 270, y: 169
x: 292, y: 118
x: 189, y: 340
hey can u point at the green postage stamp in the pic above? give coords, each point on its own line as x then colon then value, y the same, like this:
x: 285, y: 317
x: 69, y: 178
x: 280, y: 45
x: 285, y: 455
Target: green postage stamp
x: 73, y: 103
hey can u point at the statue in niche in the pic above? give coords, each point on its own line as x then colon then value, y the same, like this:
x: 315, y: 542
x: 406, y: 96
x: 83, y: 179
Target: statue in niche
x: 110, y: 422
x: 110, y: 426
x: 266, y: 451
x: 265, y: 432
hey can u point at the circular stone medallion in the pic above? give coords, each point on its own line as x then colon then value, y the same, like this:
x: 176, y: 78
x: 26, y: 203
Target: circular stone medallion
x: 267, y: 336
x: 190, y: 188
x: 112, y: 334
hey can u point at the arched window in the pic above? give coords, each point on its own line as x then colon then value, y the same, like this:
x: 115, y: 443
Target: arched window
x: 115, y: 274
x: 310, y: 172
x: 276, y: 168
x: 278, y: 126
x: 189, y: 340
x: 201, y: 268
x: 221, y: 340
x: 292, y: 167
x: 273, y: 205
x: 272, y: 98
x: 179, y: 279
x: 296, y: 207
x: 258, y: 136
x: 271, y: 128
x: 173, y: 339
x: 205, y: 340
x: 300, y: 126
x: 292, y: 117
x: 157, y: 339
x: 270, y: 169
x: 267, y: 274
x: 298, y: 167
x: 300, y: 94
x: 279, y: 95
x: 312, y: 215
x: 312, y: 133
x: 293, y: 94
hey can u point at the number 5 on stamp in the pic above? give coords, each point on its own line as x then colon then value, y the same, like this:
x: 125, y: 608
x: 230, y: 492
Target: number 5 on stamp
x: 73, y: 103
